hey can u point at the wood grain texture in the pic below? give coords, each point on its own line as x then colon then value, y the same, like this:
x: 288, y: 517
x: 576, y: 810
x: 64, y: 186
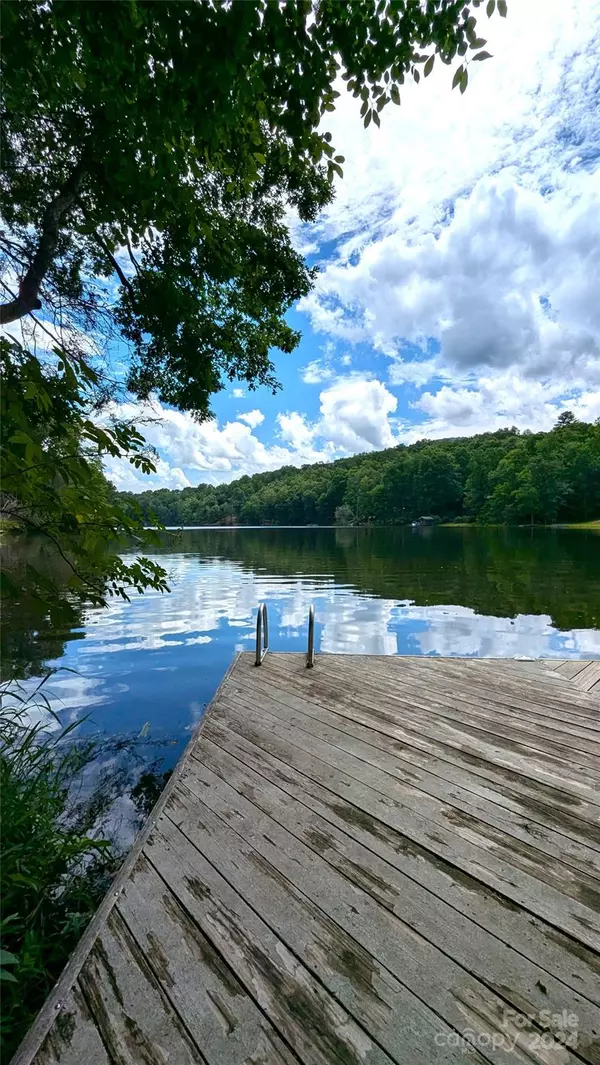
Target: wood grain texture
x: 74, y: 1037
x: 130, y: 1007
x: 204, y: 989
x: 278, y: 955
x: 458, y: 784
x: 589, y: 678
x: 463, y: 892
x: 520, y: 872
x: 381, y: 861
x: 425, y: 787
x: 416, y: 941
x: 480, y: 748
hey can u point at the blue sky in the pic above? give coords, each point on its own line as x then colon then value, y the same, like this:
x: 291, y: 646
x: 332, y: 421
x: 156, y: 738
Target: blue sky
x: 459, y: 269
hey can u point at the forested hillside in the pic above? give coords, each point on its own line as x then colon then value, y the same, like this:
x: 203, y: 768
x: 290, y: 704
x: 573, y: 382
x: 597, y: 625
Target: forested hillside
x: 505, y: 476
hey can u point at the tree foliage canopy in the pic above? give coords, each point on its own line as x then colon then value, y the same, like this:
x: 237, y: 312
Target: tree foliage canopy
x: 52, y: 480
x: 174, y: 136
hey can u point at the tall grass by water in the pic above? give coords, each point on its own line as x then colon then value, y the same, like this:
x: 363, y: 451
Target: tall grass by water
x: 54, y: 870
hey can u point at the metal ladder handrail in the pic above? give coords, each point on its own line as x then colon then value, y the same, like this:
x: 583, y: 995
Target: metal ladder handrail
x: 310, y: 654
x: 262, y: 636
x: 262, y: 630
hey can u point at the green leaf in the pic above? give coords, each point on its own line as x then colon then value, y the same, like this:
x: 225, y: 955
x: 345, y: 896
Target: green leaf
x: 458, y: 73
x: 8, y: 977
x: 20, y: 878
x: 395, y: 95
x: 429, y: 66
x: 491, y: 7
x: 376, y: 118
x: 368, y: 117
x: 502, y: 8
x: 464, y: 81
x: 481, y: 56
x: 6, y: 958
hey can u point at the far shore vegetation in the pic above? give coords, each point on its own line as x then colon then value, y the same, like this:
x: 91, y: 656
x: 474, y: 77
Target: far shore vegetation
x: 504, y: 477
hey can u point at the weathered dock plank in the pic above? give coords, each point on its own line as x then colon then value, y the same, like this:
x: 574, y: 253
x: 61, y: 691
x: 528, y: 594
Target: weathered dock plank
x: 74, y: 1038
x: 463, y: 892
x: 431, y: 773
x: 386, y: 874
x: 520, y: 873
x: 584, y: 675
x: 376, y: 861
x: 130, y: 1006
x: 589, y: 678
x: 426, y: 787
x: 427, y: 750
x: 204, y: 989
x: 280, y: 955
x: 379, y: 907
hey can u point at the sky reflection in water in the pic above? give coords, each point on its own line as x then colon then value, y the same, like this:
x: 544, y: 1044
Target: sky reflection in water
x: 159, y: 658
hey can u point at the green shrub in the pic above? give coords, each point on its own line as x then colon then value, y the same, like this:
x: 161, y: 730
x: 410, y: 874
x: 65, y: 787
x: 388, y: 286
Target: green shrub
x: 53, y: 872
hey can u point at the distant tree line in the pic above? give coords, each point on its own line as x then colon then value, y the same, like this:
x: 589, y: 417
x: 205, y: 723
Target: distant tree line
x: 502, y: 477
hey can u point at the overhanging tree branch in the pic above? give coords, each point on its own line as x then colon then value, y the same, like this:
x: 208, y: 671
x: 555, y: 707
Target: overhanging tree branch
x: 29, y: 289
x: 94, y: 586
x: 133, y: 258
x: 122, y: 277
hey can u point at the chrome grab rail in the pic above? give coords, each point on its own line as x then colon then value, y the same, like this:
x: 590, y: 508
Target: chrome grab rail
x: 262, y: 634
x: 310, y: 654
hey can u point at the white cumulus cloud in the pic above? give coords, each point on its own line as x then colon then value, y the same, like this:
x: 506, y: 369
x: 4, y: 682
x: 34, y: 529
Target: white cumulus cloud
x: 295, y: 430
x: 468, y: 228
x: 316, y: 371
x: 355, y: 414
x: 207, y: 452
x: 252, y: 418
x: 512, y: 280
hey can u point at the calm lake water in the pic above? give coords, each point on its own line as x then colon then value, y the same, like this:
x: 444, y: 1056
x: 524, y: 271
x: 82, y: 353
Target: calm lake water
x: 144, y: 671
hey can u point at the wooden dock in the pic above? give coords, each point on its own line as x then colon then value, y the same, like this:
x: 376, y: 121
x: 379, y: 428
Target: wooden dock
x: 376, y: 861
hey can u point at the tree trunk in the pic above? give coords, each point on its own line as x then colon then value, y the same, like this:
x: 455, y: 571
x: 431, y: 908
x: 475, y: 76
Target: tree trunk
x: 29, y: 289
